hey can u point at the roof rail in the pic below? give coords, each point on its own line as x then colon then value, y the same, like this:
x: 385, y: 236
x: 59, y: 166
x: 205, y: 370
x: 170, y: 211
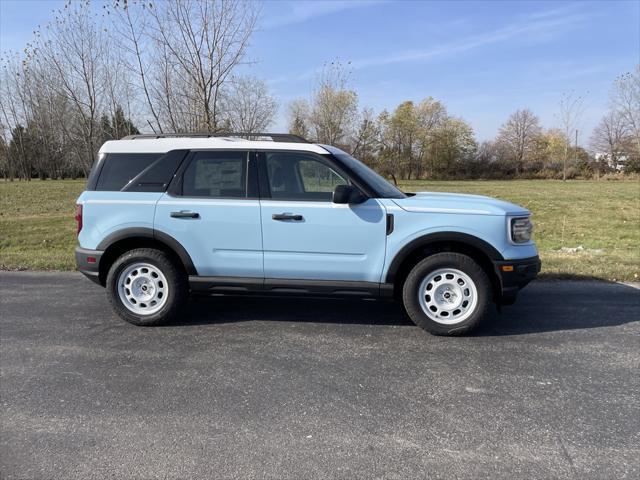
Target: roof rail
x: 275, y: 137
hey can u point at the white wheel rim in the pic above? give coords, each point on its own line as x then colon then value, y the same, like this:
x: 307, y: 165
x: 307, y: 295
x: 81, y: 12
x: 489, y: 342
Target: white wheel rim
x: 143, y: 288
x: 448, y: 296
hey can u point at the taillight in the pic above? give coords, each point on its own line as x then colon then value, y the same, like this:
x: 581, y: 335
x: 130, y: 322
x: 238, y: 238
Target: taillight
x: 78, y: 218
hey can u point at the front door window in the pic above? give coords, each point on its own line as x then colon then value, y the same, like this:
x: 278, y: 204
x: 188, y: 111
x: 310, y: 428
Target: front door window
x: 300, y: 176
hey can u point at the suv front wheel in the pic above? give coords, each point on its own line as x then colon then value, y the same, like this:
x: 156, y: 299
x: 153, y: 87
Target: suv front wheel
x: 447, y: 294
x: 145, y: 287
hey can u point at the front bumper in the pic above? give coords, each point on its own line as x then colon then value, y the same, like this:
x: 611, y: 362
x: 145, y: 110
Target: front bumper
x: 88, y: 263
x: 515, y: 275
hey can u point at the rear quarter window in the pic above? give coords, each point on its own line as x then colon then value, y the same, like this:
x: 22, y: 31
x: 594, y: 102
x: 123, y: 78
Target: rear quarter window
x: 120, y: 168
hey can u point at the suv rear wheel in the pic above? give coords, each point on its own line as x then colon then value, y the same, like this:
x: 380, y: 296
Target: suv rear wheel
x: 447, y: 294
x: 145, y: 287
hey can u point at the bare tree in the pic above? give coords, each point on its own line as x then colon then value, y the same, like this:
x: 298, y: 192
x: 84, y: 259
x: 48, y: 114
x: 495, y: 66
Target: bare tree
x: 130, y: 26
x: 183, y: 53
x: 331, y: 116
x: 6, y: 170
x: 248, y: 107
x: 80, y: 80
x: 430, y: 115
x: 625, y: 99
x: 14, y: 117
x: 367, y: 138
x: 204, y: 41
x: 299, y: 118
x: 71, y: 54
x: 334, y: 109
x: 571, y: 108
x: 399, y: 131
x: 610, y: 136
x: 517, y: 137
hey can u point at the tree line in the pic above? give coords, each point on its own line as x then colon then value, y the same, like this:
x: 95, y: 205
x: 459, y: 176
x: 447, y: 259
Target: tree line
x: 423, y: 140
x: 92, y: 75
x: 96, y: 74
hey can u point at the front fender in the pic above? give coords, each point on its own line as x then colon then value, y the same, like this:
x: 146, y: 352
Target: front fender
x: 421, y: 239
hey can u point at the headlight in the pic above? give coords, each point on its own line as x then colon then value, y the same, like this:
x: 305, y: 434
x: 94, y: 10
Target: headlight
x: 521, y: 229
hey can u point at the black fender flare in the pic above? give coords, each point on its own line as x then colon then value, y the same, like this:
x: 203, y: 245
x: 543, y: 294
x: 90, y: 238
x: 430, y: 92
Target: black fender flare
x: 142, y: 232
x: 440, y: 237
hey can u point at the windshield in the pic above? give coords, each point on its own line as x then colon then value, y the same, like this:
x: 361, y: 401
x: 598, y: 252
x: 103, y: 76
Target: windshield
x: 382, y: 187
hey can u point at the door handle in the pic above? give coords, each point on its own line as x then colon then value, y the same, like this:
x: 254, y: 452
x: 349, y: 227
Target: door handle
x: 287, y: 216
x: 185, y: 214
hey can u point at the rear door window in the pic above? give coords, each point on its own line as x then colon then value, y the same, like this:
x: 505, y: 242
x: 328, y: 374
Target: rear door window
x: 216, y: 174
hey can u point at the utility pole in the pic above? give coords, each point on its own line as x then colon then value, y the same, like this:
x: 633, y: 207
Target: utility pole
x: 571, y: 108
x: 566, y: 154
x: 575, y: 152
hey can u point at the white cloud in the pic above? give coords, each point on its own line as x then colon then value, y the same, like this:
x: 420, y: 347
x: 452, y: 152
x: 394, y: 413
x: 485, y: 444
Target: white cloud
x: 300, y: 11
x: 540, y: 26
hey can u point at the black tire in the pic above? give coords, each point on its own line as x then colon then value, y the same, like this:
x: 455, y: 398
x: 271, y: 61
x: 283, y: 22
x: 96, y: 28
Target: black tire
x: 178, y: 287
x: 457, y: 261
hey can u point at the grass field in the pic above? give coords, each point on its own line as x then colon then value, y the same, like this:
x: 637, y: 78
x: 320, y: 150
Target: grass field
x: 37, y: 230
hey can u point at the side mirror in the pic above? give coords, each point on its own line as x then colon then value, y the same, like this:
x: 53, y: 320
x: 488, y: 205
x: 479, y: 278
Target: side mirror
x: 347, y: 194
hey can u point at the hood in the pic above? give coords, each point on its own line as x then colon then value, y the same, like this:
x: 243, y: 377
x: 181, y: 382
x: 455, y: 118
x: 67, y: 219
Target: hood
x: 436, y: 202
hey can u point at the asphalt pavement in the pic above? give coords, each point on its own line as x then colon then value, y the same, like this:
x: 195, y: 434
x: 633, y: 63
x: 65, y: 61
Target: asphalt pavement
x: 308, y: 388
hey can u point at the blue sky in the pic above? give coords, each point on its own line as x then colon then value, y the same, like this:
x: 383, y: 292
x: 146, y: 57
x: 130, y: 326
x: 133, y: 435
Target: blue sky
x: 482, y: 59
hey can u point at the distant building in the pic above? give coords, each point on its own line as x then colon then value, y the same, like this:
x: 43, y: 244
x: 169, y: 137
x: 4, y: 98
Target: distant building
x: 617, y: 162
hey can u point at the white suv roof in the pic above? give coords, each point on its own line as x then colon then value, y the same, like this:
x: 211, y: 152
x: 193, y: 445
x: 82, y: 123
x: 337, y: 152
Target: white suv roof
x: 153, y: 144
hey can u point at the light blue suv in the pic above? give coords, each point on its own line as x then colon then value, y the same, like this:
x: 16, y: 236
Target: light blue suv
x: 164, y: 216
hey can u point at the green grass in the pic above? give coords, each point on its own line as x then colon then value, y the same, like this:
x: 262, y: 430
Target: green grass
x: 602, y: 217
x: 37, y: 230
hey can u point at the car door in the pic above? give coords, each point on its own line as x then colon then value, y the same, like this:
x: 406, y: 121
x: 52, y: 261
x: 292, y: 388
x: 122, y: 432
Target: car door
x: 211, y: 208
x: 305, y: 235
